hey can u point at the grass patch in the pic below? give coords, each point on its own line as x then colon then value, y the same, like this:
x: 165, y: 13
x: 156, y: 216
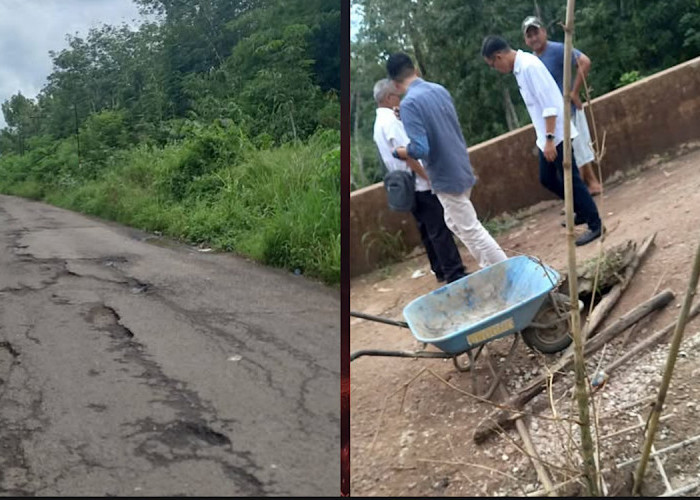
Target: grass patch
x: 278, y: 206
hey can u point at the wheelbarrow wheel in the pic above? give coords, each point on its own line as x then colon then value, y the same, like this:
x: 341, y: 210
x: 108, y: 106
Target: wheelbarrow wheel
x: 462, y: 366
x: 552, y: 333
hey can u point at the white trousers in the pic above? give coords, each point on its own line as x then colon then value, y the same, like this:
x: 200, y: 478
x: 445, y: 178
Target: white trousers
x: 583, y: 152
x: 461, y: 218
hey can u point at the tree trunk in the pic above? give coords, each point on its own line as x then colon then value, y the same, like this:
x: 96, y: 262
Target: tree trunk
x: 418, y: 51
x: 355, y: 136
x: 511, y: 115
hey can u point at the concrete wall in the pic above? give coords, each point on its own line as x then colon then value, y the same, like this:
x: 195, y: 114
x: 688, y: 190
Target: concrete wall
x: 650, y: 116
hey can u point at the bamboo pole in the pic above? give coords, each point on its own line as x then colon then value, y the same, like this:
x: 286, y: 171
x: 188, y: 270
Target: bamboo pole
x: 649, y: 341
x: 534, y: 457
x: 668, y: 373
x: 587, y: 450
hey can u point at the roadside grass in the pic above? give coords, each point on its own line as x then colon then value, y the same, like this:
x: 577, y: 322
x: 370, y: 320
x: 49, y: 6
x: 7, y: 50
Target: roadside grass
x: 278, y: 206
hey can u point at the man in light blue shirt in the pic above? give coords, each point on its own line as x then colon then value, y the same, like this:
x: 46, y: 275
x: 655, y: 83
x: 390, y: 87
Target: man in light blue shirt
x: 552, y: 55
x: 443, y: 254
x: 430, y: 120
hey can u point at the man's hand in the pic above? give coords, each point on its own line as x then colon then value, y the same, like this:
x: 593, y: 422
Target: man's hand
x: 401, y: 153
x: 550, y: 151
x: 576, y: 100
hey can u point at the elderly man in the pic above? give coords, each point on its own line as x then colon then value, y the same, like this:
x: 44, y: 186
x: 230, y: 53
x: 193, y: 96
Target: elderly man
x: 431, y: 123
x: 552, y: 55
x: 445, y: 260
x: 546, y: 108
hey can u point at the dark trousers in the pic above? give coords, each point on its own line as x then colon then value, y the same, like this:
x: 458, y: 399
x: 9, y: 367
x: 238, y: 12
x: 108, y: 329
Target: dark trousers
x: 439, y: 243
x: 552, y: 177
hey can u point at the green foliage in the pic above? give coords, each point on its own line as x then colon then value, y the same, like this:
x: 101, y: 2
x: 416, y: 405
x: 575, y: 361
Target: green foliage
x: 390, y: 247
x: 627, y: 78
x: 218, y: 124
x: 445, y: 36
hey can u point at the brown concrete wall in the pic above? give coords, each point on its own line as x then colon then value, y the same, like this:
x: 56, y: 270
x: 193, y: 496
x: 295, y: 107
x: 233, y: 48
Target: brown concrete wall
x: 650, y: 116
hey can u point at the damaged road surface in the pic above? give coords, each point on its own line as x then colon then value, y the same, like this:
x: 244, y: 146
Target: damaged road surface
x: 134, y: 368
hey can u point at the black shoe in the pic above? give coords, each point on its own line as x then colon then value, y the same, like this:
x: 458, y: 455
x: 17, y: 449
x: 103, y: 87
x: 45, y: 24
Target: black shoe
x: 457, y: 277
x: 577, y: 221
x: 589, y: 236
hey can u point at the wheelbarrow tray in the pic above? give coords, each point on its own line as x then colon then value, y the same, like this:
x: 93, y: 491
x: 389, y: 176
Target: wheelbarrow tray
x: 491, y: 303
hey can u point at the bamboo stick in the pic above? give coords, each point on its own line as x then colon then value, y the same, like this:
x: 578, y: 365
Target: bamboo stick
x: 579, y: 361
x: 525, y: 436
x: 649, y: 341
x: 668, y: 372
x: 632, y: 427
x: 628, y: 319
x: 672, y: 447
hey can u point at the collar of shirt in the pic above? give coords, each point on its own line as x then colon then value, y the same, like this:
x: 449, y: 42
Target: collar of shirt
x: 385, y: 112
x: 415, y: 82
x: 517, y: 66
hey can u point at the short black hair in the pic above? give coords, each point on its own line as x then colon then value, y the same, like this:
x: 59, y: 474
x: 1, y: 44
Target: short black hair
x: 493, y: 44
x: 399, y: 66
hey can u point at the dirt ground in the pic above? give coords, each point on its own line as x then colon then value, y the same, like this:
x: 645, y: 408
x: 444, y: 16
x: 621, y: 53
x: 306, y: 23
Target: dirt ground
x: 418, y: 441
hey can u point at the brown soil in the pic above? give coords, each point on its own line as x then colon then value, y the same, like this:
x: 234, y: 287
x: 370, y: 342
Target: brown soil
x: 417, y: 441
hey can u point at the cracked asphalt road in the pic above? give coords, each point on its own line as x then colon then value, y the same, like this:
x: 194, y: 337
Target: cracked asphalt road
x: 130, y: 366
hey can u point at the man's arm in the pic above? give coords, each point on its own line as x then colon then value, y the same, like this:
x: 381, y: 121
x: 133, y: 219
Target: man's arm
x: 583, y: 65
x: 550, y: 150
x: 545, y: 91
x: 418, y: 147
x: 417, y: 168
x: 399, y: 139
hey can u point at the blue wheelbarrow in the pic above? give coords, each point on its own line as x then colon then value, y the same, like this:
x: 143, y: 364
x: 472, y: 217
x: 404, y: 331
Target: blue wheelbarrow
x: 516, y: 296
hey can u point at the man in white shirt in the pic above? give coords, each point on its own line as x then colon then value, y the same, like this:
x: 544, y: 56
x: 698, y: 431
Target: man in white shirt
x: 545, y: 104
x: 445, y: 260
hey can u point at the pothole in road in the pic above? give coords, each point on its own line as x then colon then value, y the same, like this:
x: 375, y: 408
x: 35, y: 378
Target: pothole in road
x: 5, y: 345
x: 113, y: 260
x: 106, y: 318
x: 8, y: 355
x: 136, y: 286
x: 203, y: 432
x: 179, y: 434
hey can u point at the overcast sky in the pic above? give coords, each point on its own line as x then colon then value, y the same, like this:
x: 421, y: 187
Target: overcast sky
x: 30, y: 28
x: 355, y: 20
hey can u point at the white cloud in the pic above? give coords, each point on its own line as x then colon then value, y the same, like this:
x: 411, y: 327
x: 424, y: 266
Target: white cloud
x: 356, y: 18
x: 29, y: 29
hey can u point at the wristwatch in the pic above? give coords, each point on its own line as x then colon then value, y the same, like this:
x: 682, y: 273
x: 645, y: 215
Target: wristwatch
x: 549, y: 137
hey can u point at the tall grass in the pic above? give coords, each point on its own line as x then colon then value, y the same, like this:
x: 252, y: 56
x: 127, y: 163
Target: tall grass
x: 278, y: 206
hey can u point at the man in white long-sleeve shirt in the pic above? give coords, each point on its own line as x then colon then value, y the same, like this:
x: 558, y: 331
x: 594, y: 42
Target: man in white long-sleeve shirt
x: 545, y: 104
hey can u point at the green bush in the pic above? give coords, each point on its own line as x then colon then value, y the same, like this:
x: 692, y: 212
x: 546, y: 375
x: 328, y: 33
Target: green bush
x: 627, y: 78
x: 279, y: 206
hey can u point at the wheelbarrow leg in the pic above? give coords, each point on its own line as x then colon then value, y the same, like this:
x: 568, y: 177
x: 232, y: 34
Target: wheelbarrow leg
x: 472, y: 360
x: 498, y: 375
x: 465, y: 368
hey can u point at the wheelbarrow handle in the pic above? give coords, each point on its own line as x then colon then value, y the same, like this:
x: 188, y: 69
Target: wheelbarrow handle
x: 400, y: 354
x: 378, y: 319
